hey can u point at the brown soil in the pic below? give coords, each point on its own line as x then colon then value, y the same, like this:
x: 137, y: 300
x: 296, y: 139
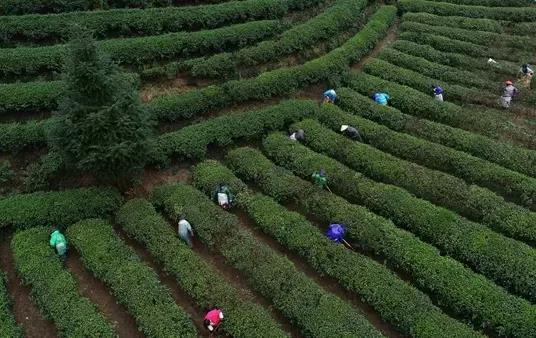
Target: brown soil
x: 327, y: 283
x: 92, y: 288
x: 155, y: 177
x: 26, y: 312
x: 182, y: 83
x: 392, y: 35
x: 181, y: 298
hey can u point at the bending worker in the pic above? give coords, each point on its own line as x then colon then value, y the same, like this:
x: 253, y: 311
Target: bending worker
x: 438, y: 92
x: 509, y: 91
x: 213, y: 319
x: 320, y: 178
x: 185, y: 230
x: 526, y: 73
x: 298, y: 135
x: 381, y: 98
x: 351, y: 132
x: 59, y: 243
x: 224, y: 197
x: 329, y: 96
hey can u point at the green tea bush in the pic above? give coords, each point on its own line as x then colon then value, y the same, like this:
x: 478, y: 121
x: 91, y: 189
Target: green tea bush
x: 29, y: 96
x: 18, y: 136
x: 243, y: 317
x: 455, y: 22
x: 307, y: 305
x: 54, y: 288
x: 134, y: 284
x: 489, y: 3
x: 57, y: 208
x: 377, y: 285
x: 439, y: 152
x: 469, y: 295
x: 55, y: 28
x: 8, y: 325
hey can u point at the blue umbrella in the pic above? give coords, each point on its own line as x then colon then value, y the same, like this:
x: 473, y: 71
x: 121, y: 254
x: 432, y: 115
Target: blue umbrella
x: 336, y: 232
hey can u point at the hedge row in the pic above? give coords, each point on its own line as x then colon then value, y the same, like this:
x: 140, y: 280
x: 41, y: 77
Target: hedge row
x: 373, y: 282
x: 440, y: 8
x: 478, y: 204
x: 438, y: 151
x: 454, y: 286
x: 54, y: 288
x: 508, y: 262
x: 282, y: 81
x: 57, y: 208
x: 29, y: 96
x: 509, y: 47
x: 17, y: 136
x: 436, y: 70
x: 524, y: 28
x: 455, y: 22
x: 134, y: 22
x: 19, y: 7
x: 335, y: 19
x: 307, y: 305
x: 243, y: 317
x: 414, y: 102
x: 133, y: 284
x: 489, y: 3
x: 8, y: 325
x: 140, y: 50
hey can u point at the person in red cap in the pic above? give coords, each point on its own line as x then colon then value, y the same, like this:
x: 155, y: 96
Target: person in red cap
x: 213, y: 319
x: 509, y: 91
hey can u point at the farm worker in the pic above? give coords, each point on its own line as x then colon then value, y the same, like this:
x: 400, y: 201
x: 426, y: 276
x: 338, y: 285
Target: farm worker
x: 381, y: 98
x: 185, y: 230
x: 526, y: 73
x: 336, y: 232
x: 223, y: 196
x: 298, y: 135
x: 59, y: 243
x: 213, y: 319
x: 320, y: 178
x: 351, y: 132
x: 438, y: 92
x: 330, y: 96
x: 491, y: 61
x: 508, y: 92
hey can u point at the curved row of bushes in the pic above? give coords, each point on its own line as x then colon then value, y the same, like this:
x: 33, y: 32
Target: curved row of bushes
x: 453, y: 285
x: 508, y: 262
x: 477, y: 204
x: 282, y: 81
x: 17, y: 136
x: 29, y: 96
x: 57, y: 208
x: 307, y: 305
x: 139, y: 50
x: 54, y: 289
x: 449, y: 149
x: 441, y: 8
x: 8, y: 325
x: 335, y: 19
x: 489, y: 3
x: 373, y: 282
x: 455, y: 22
x: 133, y: 284
x: 414, y: 102
x: 243, y: 317
x: 55, y: 28
x: 19, y: 7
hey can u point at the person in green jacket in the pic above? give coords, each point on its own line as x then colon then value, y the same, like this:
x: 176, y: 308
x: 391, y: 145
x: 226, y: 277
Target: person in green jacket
x: 320, y: 178
x: 59, y: 243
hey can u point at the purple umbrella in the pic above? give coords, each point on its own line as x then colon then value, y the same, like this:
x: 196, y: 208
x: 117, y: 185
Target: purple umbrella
x: 336, y: 232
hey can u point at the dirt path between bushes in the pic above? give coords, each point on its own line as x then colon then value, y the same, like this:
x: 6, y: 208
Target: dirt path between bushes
x: 26, y: 312
x: 96, y: 291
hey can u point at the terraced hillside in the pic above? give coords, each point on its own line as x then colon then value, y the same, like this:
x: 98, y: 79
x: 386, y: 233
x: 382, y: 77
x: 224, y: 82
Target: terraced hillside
x: 439, y: 200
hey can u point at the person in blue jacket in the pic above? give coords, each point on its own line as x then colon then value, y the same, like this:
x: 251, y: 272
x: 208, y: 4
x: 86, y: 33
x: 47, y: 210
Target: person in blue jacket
x: 381, y: 98
x: 329, y: 96
x: 438, y: 92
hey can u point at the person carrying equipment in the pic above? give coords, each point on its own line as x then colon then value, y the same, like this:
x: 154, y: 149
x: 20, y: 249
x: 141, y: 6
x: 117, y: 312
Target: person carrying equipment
x: 525, y: 75
x: 213, y: 319
x: 351, y: 132
x: 381, y: 98
x: 320, y: 178
x: 329, y: 96
x: 438, y: 92
x: 185, y: 230
x: 298, y: 135
x: 336, y: 233
x: 508, y: 92
x: 224, y: 197
x: 59, y: 243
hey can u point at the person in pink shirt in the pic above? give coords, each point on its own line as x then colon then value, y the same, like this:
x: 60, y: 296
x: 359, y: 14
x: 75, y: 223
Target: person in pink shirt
x: 213, y: 319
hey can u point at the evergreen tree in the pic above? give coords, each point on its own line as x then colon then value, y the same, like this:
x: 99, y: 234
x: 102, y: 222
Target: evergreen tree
x: 101, y: 126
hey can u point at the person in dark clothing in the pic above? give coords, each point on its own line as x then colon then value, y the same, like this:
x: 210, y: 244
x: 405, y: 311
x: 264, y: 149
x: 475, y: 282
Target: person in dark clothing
x: 351, y: 132
x: 298, y: 135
